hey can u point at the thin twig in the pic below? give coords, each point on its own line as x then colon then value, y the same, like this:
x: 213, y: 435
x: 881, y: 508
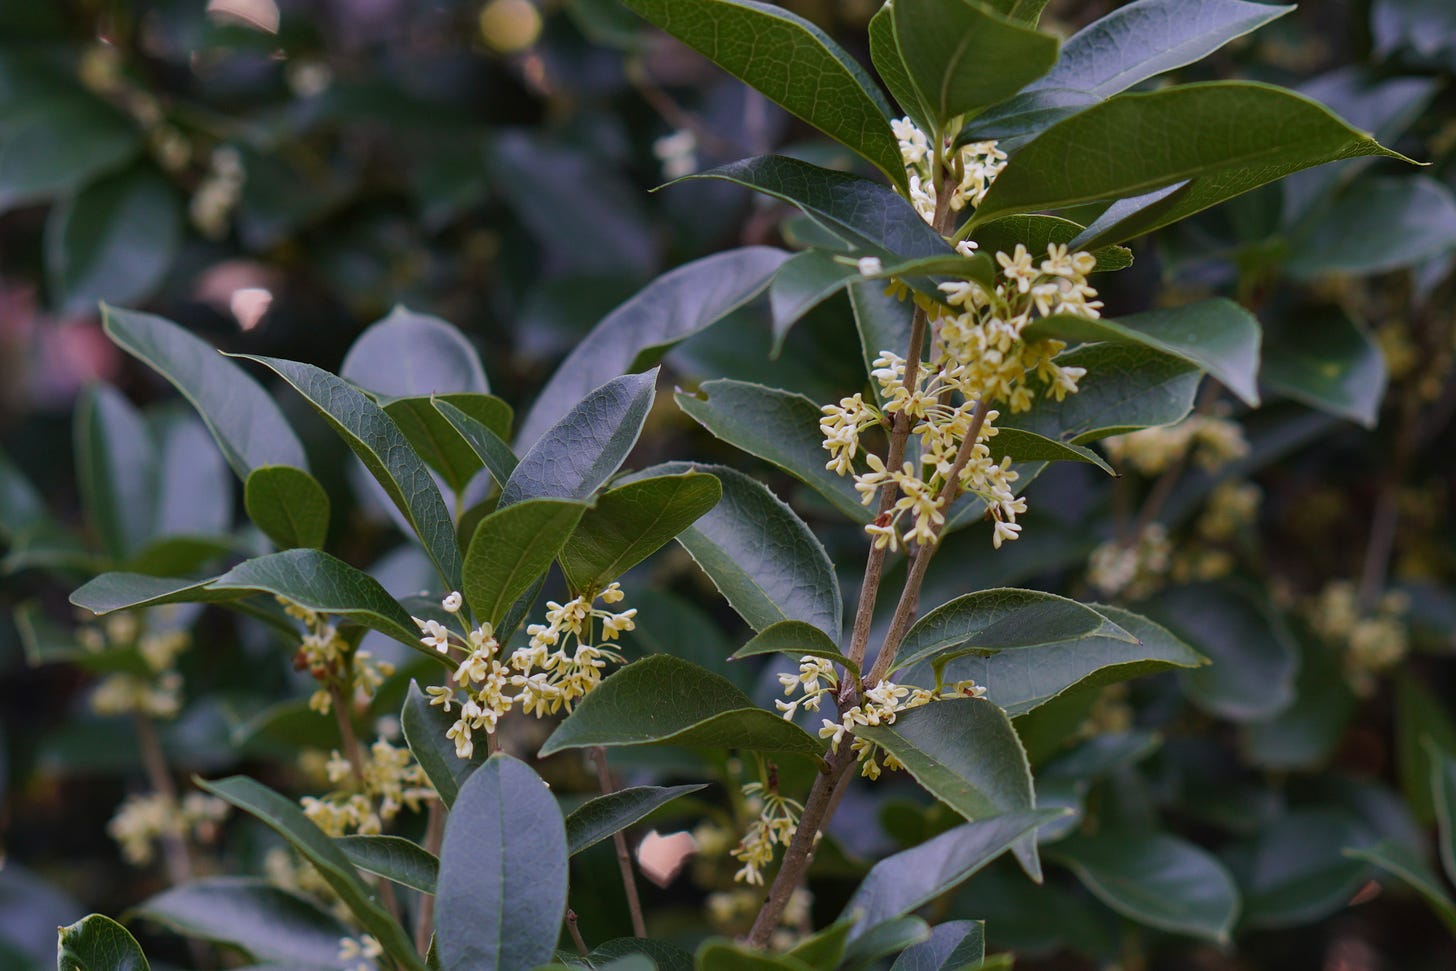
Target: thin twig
x: 425, y: 916
x: 175, y: 852
x: 575, y: 932
x: 624, y: 857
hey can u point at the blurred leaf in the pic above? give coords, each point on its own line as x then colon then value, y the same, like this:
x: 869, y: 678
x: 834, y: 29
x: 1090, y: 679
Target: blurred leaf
x: 662, y: 700
x: 1443, y: 799
x: 511, y: 549
x: 113, y: 241
x: 1332, y: 364
x: 1151, y: 37
x: 631, y: 522
x: 1377, y: 225
x: 98, y: 943
x: 1217, y: 336
x: 1423, y: 723
x: 503, y: 864
x: 1402, y: 861
x: 953, y: 945
x: 1306, y: 734
x: 439, y: 442
x: 795, y: 639
x: 116, y: 465
x: 288, y: 505
x: 1295, y: 873
x: 21, y: 506
x: 413, y: 355
x: 717, y: 954
x: 394, y: 858
x: 55, y: 145
x: 424, y: 727
x: 794, y: 63
x: 573, y: 457
x: 884, y: 940
x: 266, y: 922
x: 599, y: 818
x: 488, y: 446
x: 776, y: 426
x: 244, y: 420
x: 195, y: 494
x: 1422, y: 29
x: 283, y: 816
x: 381, y: 446
x: 1155, y: 879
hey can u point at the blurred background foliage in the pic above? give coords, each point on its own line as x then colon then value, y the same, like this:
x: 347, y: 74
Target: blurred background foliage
x: 277, y: 175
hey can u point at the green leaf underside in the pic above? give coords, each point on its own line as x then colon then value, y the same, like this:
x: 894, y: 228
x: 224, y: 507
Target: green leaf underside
x: 761, y: 556
x: 661, y: 700
x: 999, y: 620
x: 116, y: 465
x: 503, y: 867
x: 424, y: 727
x: 288, y: 505
x: 374, y: 437
x: 795, y: 639
x: 268, y: 923
x: 631, y: 522
x: 1025, y: 116
x: 793, y: 63
x: 1238, y: 135
x: 489, y: 447
x: 599, y: 818
x: 124, y: 591
x: 1331, y: 363
x: 1378, y: 225
x: 1024, y: 446
x: 394, y: 858
x: 247, y: 424
x: 953, y: 945
x: 413, y: 355
x: 97, y: 943
x: 1217, y: 336
x: 576, y: 455
x: 1155, y: 879
x: 283, y: 816
x: 439, y: 442
x: 777, y: 426
x: 672, y: 308
x: 511, y: 549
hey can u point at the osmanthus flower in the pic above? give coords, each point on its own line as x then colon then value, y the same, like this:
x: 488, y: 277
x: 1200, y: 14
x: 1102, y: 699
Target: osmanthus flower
x: 778, y: 817
x: 333, y: 661
x: 1211, y: 440
x: 387, y: 780
x: 142, y: 820
x: 157, y: 693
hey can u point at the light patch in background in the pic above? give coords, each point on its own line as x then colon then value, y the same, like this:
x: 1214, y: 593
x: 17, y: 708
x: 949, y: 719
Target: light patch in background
x: 663, y: 857
x: 249, y: 304
x: 258, y: 14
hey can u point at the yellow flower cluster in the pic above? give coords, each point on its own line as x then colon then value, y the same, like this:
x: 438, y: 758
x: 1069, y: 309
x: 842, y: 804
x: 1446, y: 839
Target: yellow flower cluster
x: 141, y: 820
x: 360, y: 953
x: 1373, y: 641
x: 977, y: 164
x: 391, y: 780
x: 156, y: 694
x: 879, y: 706
x: 1213, y: 440
x: 558, y: 668
x: 778, y: 817
x: 333, y: 661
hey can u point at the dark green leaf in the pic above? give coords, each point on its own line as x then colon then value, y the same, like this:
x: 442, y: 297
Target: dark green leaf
x: 667, y: 957
x: 599, y: 818
x: 1155, y: 879
x: 661, y: 700
x: 113, y: 241
x: 886, y: 939
x: 1151, y: 37
x: 1443, y: 798
x: 56, y: 145
x: 1377, y: 225
x: 885, y: 55
x: 413, y: 355
x: 801, y: 284
x: 502, y: 889
x: 195, y: 492
x: 21, y: 507
x: 511, y: 549
x: 1019, y: 119
x: 1036, y: 232
x: 962, y: 55
x: 796, y: 639
x: 116, y: 467
x: 98, y: 943
x: 124, y: 591
x: 777, y: 426
x: 288, y: 505
x: 394, y: 858
x: 1217, y: 336
x: 246, y: 423
x: 283, y: 816
x: 265, y: 922
x: 883, y: 323
x: 1024, y: 446
x: 424, y: 727
x: 576, y: 455
x: 443, y: 447
x: 791, y: 61
x: 488, y: 446
x: 717, y: 954
x: 1306, y: 734
x: 824, y: 949
x: 953, y: 946
x: 1293, y: 873
x: 631, y: 522
x: 671, y: 309
x: 1423, y: 721
x: 374, y: 437
x: 1398, y: 859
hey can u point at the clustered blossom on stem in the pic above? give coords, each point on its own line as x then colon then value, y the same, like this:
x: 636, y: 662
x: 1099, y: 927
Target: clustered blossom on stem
x: 156, y: 694
x: 388, y: 780
x: 333, y: 661
x: 778, y: 817
x: 559, y: 667
x: 879, y: 706
x: 141, y: 820
x: 976, y: 164
x: 1372, y: 640
x: 360, y: 953
x: 1212, y: 440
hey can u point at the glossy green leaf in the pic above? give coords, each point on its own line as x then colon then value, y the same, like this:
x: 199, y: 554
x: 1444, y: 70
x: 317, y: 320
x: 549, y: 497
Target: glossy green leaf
x: 381, y: 446
x: 796, y: 639
x: 962, y: 55
x: 424, y: 727
x: 674, y: 307
x: 761, y: 556
x: 953, y: 945
x: 439, y: 442
x: 98, y: 943
x: 410, y: 355
x: 510, y: 551
x: 1037, y: 231
x: 633, y: 521
x: 288, y: 505
x: 266, y: 922
x: 1377, y: 225
x: 599, y: 818
x: 323, y: 583
x: 113, y: 241
x: 394, y: 858
x: 999, y: 620
x: 489, y: 447
x: 124, y: 591
x: 806, y: 280
x: 777, y: 426
x: 893, y: 936
x: 576, y: 455
x: 1254, y: 657
x: 964, y: 752
x: 1293, y: 872
x: 903, y: 882
x: 1401, y: 861
x: 883, y: 323
x: 717, y: 954
x: 246, y: 423
x: 502, y: 888
x: 794, y: 63
x: 890, y: 65
x: 1126, y: 388
x: 1023, y: 117
x: 1155, y: 879
x: 60, y: 144
x: 1278, y: 132
x: 283, y: 816
x: 116, y: 469
x: 1151, y: 37
x: 1024, y: 446
x: 824, y: 949
x: 661, y: 700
